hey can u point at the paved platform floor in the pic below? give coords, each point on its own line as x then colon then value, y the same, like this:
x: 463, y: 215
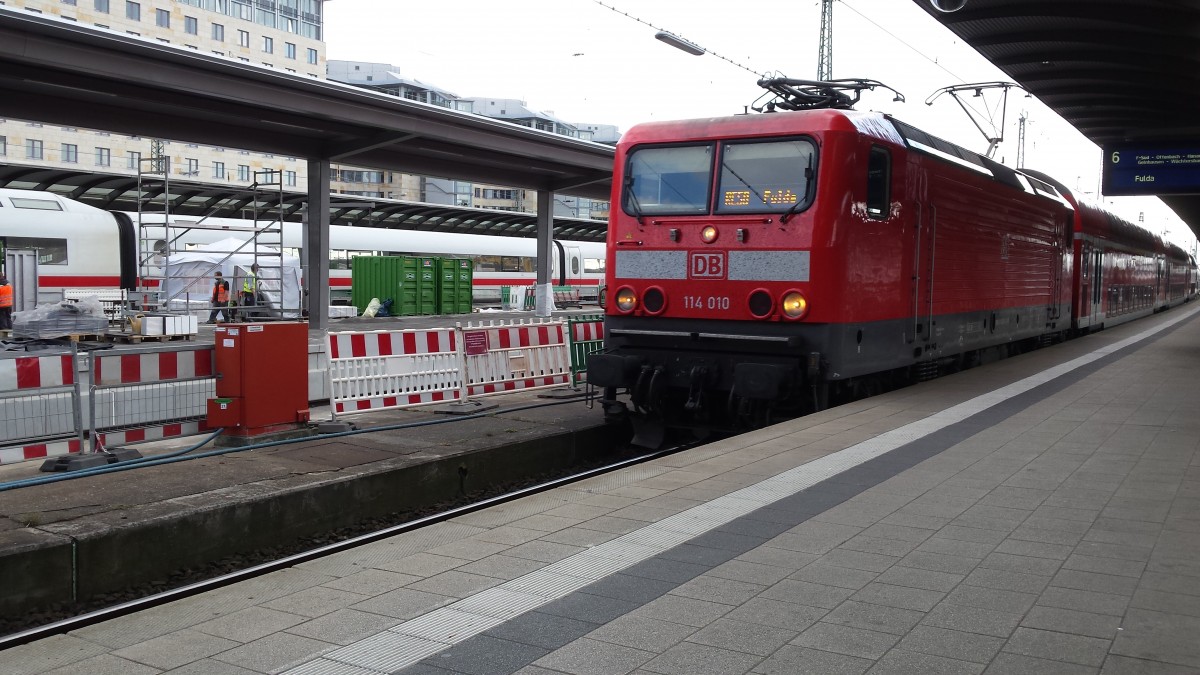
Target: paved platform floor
x: 1038, y: 515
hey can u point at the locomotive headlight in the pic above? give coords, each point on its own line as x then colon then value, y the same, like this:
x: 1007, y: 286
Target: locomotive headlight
x: 626, y: 299
x: 794, y: 305
x: 709, y: 234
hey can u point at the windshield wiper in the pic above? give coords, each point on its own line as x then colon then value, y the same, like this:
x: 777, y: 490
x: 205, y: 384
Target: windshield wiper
x: 808, y: 176
x: 633, y: 200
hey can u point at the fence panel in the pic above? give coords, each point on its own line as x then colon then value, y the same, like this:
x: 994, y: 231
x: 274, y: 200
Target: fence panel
x: 516, y: 356
x: 167, y: 390
x: 379, y: 370
x: 587, y: 336
x: 38, y: 398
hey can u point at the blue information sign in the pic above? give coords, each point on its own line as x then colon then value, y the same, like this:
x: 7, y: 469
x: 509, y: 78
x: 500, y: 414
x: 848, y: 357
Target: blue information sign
x: 1142, y: 169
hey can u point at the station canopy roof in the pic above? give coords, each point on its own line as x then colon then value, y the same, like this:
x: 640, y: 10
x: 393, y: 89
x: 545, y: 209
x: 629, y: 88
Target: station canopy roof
x: 70, y: 74
x: 1118, y: 70
x: 115, y: 192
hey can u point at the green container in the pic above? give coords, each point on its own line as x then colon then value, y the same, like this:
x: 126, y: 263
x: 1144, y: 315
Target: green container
x: 378, y: 277
x: 454, y: 285
x: 426, y: 285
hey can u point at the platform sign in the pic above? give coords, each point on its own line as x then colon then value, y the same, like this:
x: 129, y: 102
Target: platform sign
x: 1145, y: 169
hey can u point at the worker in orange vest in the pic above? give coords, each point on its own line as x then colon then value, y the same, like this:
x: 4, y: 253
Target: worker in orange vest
x: 220, y: 299
x: 6, y: 303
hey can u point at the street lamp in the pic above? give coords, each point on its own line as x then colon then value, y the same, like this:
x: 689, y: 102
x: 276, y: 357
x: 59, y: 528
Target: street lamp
x: 680, y: 43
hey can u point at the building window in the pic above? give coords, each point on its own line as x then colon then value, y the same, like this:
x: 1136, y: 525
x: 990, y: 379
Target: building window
x: 135, y: 160
x: 68, y: 2
x: 269, y: 45
x: 3, y: 146
x: 191, y: 26
x: 70, y: 153
x: 133, y: 11
x: 219, y: 170
x: 103, y: 157
x: 162, y: 18
x: 218, y: 33
x: 290, y: 178
x: 244, y: 173
x: 33, y: 149
x: 289, y: 50
x: 312, y: 56
x: 243, y: 38
x: 193, y: 168
x: 102, y: 6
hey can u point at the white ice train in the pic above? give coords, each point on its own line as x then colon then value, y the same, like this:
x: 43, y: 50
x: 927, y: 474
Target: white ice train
x: 82, y: 247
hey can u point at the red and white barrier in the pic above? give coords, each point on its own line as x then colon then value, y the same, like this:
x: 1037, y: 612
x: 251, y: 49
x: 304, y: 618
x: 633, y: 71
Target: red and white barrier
x: 157, y: 433
x: 153, y: 367
x: 136, y: 390
x: 524, y: 356
x: 381, y: 370
x: 37, y: 401
x: 51, y: 449
x: 36, y: 372
x: 587, y: 331
x: 393, y: 369
x: 23, y: 453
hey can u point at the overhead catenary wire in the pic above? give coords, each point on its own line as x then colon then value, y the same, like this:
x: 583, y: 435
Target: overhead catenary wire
x: 915, y: 50
x: 658, y: 28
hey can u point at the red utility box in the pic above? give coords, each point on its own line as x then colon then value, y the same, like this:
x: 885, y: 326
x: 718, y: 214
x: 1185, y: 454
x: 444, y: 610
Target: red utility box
x: 262, y: 377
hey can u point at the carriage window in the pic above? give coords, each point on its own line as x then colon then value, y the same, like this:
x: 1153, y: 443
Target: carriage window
x: 768, y: 177
x: 574, y: 265
x: 593, y: 265
x: 668, y: 180
x: 49, y: 251
x: 879, y: 175
x: 39, y: 204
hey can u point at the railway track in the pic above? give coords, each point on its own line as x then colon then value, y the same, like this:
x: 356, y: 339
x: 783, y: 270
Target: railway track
x: 240, y: 568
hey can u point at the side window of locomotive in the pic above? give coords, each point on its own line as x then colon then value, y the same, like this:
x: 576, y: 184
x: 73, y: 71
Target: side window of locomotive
x: 766, y: 177
x: 879, y: 180
x: 670, y: 180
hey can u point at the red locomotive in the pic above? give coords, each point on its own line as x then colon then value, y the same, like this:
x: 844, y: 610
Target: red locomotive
x: 763, y: 266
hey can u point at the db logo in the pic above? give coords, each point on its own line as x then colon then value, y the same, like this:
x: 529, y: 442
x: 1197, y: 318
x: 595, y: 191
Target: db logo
x: 706, y: 265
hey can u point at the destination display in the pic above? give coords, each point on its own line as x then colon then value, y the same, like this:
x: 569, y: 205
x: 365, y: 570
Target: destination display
x: 1133, y: 169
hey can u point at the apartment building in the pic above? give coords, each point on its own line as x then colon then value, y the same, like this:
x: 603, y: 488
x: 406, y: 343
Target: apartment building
x: 391, y: 79
x: 283, y: 34
x: 287, y: 35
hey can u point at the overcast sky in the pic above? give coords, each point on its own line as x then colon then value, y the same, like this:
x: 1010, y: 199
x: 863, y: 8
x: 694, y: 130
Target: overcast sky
x: 584, y: 62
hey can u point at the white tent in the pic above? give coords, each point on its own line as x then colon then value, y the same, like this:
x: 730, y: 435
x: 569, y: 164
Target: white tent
x: 188, y: 276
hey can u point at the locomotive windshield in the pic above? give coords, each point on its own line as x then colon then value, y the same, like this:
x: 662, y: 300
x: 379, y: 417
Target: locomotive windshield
x: 755, y: 177
x: 765, y: 177
x: 671, y: 180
